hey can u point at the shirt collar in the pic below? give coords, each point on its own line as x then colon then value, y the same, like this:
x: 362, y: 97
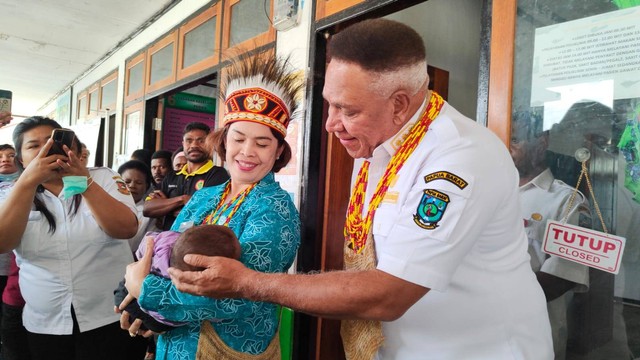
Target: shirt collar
x: 543, y: 181
x: 392, y: 144
x: 202, y: 170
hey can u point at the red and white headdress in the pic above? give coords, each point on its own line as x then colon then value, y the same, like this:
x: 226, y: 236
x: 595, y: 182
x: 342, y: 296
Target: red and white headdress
x: 260, y: 89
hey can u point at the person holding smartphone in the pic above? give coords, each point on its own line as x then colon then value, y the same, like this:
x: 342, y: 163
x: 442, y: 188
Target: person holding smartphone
x: 5, y: 118
x: 69, y: 238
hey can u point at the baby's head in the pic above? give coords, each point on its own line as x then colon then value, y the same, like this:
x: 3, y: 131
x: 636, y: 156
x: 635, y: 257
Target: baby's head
x: 209, y: 240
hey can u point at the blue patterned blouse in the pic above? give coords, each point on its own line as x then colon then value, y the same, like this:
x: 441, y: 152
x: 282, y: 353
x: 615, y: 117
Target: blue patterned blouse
x: 268, y: 227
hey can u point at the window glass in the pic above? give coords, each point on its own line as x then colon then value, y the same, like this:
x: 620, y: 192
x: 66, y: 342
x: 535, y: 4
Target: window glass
x: 82, y: 107
x: 133, y: 136
x: 249, y: 18
x: 576, y: 111
x: 109, y: 92
x: 199, y: 43
x: 162, y: 64
x: 93, y: 102
x: 136, y: 78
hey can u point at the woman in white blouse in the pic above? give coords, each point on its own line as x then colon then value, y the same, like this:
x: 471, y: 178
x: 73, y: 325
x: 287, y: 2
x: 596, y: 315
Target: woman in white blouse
x: 67, y: 246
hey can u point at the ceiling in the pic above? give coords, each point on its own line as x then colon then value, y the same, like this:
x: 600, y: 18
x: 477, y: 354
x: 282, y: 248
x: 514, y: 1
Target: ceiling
x: 45, y: 45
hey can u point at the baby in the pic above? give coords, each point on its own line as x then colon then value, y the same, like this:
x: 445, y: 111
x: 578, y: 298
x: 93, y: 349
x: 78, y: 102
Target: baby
x: 169, y: 249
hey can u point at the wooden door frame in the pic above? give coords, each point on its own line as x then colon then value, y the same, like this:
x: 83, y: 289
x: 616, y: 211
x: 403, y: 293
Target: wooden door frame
x: 502, y: 47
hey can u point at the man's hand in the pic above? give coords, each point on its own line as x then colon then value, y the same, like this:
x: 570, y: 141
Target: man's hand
x: 157, y: 194
x: 222, y: 278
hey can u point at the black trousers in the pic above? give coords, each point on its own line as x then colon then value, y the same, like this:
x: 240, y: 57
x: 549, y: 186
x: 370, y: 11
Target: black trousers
x: 14, y: 335
x: 108, y: 342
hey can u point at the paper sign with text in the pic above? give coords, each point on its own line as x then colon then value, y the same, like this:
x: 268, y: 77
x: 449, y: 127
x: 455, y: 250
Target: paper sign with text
x: 585, y: 246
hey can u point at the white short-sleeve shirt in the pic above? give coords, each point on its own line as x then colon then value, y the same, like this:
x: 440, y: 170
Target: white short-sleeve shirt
x: 77, y: 265
x: 451, y: 222
x: 546, y: 198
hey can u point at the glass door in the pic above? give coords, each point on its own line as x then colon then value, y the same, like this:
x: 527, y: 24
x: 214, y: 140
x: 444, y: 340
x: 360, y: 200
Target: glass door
x: 576, y: 97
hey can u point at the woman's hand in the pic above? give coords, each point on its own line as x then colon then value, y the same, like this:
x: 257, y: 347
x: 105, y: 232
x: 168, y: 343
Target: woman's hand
x: 222, y: 277
x: 43, y: 167
x: 72, y: 166
x: 132, y: 327
x: 137, y: 271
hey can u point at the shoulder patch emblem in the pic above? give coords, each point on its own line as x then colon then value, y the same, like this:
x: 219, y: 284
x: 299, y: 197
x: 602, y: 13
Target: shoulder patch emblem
x: 122, y: 186
x: 431, y: 208
x: 199, y: 184
x: 450, y: 177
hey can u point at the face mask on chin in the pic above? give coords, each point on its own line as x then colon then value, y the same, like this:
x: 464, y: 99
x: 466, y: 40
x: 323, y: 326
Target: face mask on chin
x: 9, y: 177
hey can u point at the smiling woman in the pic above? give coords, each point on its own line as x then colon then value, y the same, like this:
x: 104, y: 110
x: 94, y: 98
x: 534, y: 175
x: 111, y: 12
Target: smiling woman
x: 253, y: 205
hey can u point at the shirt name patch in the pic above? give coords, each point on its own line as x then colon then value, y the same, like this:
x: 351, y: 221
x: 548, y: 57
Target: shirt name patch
x: 431, y: 208
x: 390, y: 197
x: 445, y: 175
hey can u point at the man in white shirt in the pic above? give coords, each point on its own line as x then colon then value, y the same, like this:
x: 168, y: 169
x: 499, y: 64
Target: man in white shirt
x: 452, y: 279
x: 545, y: 198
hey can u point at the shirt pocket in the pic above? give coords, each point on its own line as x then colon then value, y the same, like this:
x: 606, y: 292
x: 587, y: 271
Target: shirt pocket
x: 92, y: 232
x: 385, y: 218
x: 36, y: 235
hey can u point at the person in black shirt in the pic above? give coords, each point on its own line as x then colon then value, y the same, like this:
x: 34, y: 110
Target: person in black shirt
x: 176, y: 189
x: 160, y: 167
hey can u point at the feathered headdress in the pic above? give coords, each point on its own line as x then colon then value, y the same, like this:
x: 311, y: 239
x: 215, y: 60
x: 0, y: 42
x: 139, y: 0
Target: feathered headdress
x: 260, y: 89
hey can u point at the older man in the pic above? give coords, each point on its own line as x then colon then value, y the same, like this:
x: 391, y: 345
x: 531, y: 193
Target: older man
x: 435, y: 195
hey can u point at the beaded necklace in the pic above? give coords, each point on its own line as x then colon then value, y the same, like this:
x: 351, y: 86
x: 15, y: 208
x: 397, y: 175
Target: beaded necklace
x: 222, y: 207
x: 357, y: 229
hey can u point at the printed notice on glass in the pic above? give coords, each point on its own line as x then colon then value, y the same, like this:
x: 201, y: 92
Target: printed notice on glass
x: 585, y: 246
x: 588, y: 50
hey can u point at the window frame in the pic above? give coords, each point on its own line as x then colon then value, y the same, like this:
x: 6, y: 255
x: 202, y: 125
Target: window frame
x: 208, y: 62
x: 103, y: 82
x: 252, y: 43
x: 140, y: 58
x: 171, y: 38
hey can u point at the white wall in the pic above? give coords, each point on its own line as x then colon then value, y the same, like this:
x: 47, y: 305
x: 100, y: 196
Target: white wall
x: 451, y: 32
x: 295, y: 43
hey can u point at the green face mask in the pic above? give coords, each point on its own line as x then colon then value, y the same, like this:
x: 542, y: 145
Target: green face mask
x: 73, y: 185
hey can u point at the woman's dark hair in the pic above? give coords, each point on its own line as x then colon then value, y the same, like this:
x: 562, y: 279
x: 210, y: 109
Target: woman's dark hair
x: 137, y: 165
x: 143, y: 155
x: 218, y: 141
x: 18, y: 139
x: 7, y: 147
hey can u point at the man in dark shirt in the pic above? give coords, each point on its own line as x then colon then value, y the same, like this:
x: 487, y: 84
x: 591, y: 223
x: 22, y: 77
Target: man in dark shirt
x: 199, y: 172
x: 160, y: 167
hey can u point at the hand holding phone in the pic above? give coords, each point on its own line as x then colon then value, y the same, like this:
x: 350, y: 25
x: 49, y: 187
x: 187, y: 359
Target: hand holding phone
x: 61, y: 137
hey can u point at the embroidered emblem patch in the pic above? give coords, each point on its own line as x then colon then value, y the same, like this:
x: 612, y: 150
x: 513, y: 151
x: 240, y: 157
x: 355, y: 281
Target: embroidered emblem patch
x: 199, y: 184
x: 450, y: 177
x: 122, y: 186
x: 431, y: 208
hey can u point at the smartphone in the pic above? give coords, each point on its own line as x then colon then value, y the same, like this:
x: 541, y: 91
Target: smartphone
x: 62, y: 137
x: 5, y: 100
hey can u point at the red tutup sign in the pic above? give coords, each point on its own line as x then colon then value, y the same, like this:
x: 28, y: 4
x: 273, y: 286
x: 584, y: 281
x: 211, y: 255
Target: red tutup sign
x: 585, y: 246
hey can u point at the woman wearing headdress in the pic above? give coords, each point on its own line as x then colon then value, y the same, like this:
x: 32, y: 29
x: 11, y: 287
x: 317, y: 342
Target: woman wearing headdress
x: 259, y: 102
